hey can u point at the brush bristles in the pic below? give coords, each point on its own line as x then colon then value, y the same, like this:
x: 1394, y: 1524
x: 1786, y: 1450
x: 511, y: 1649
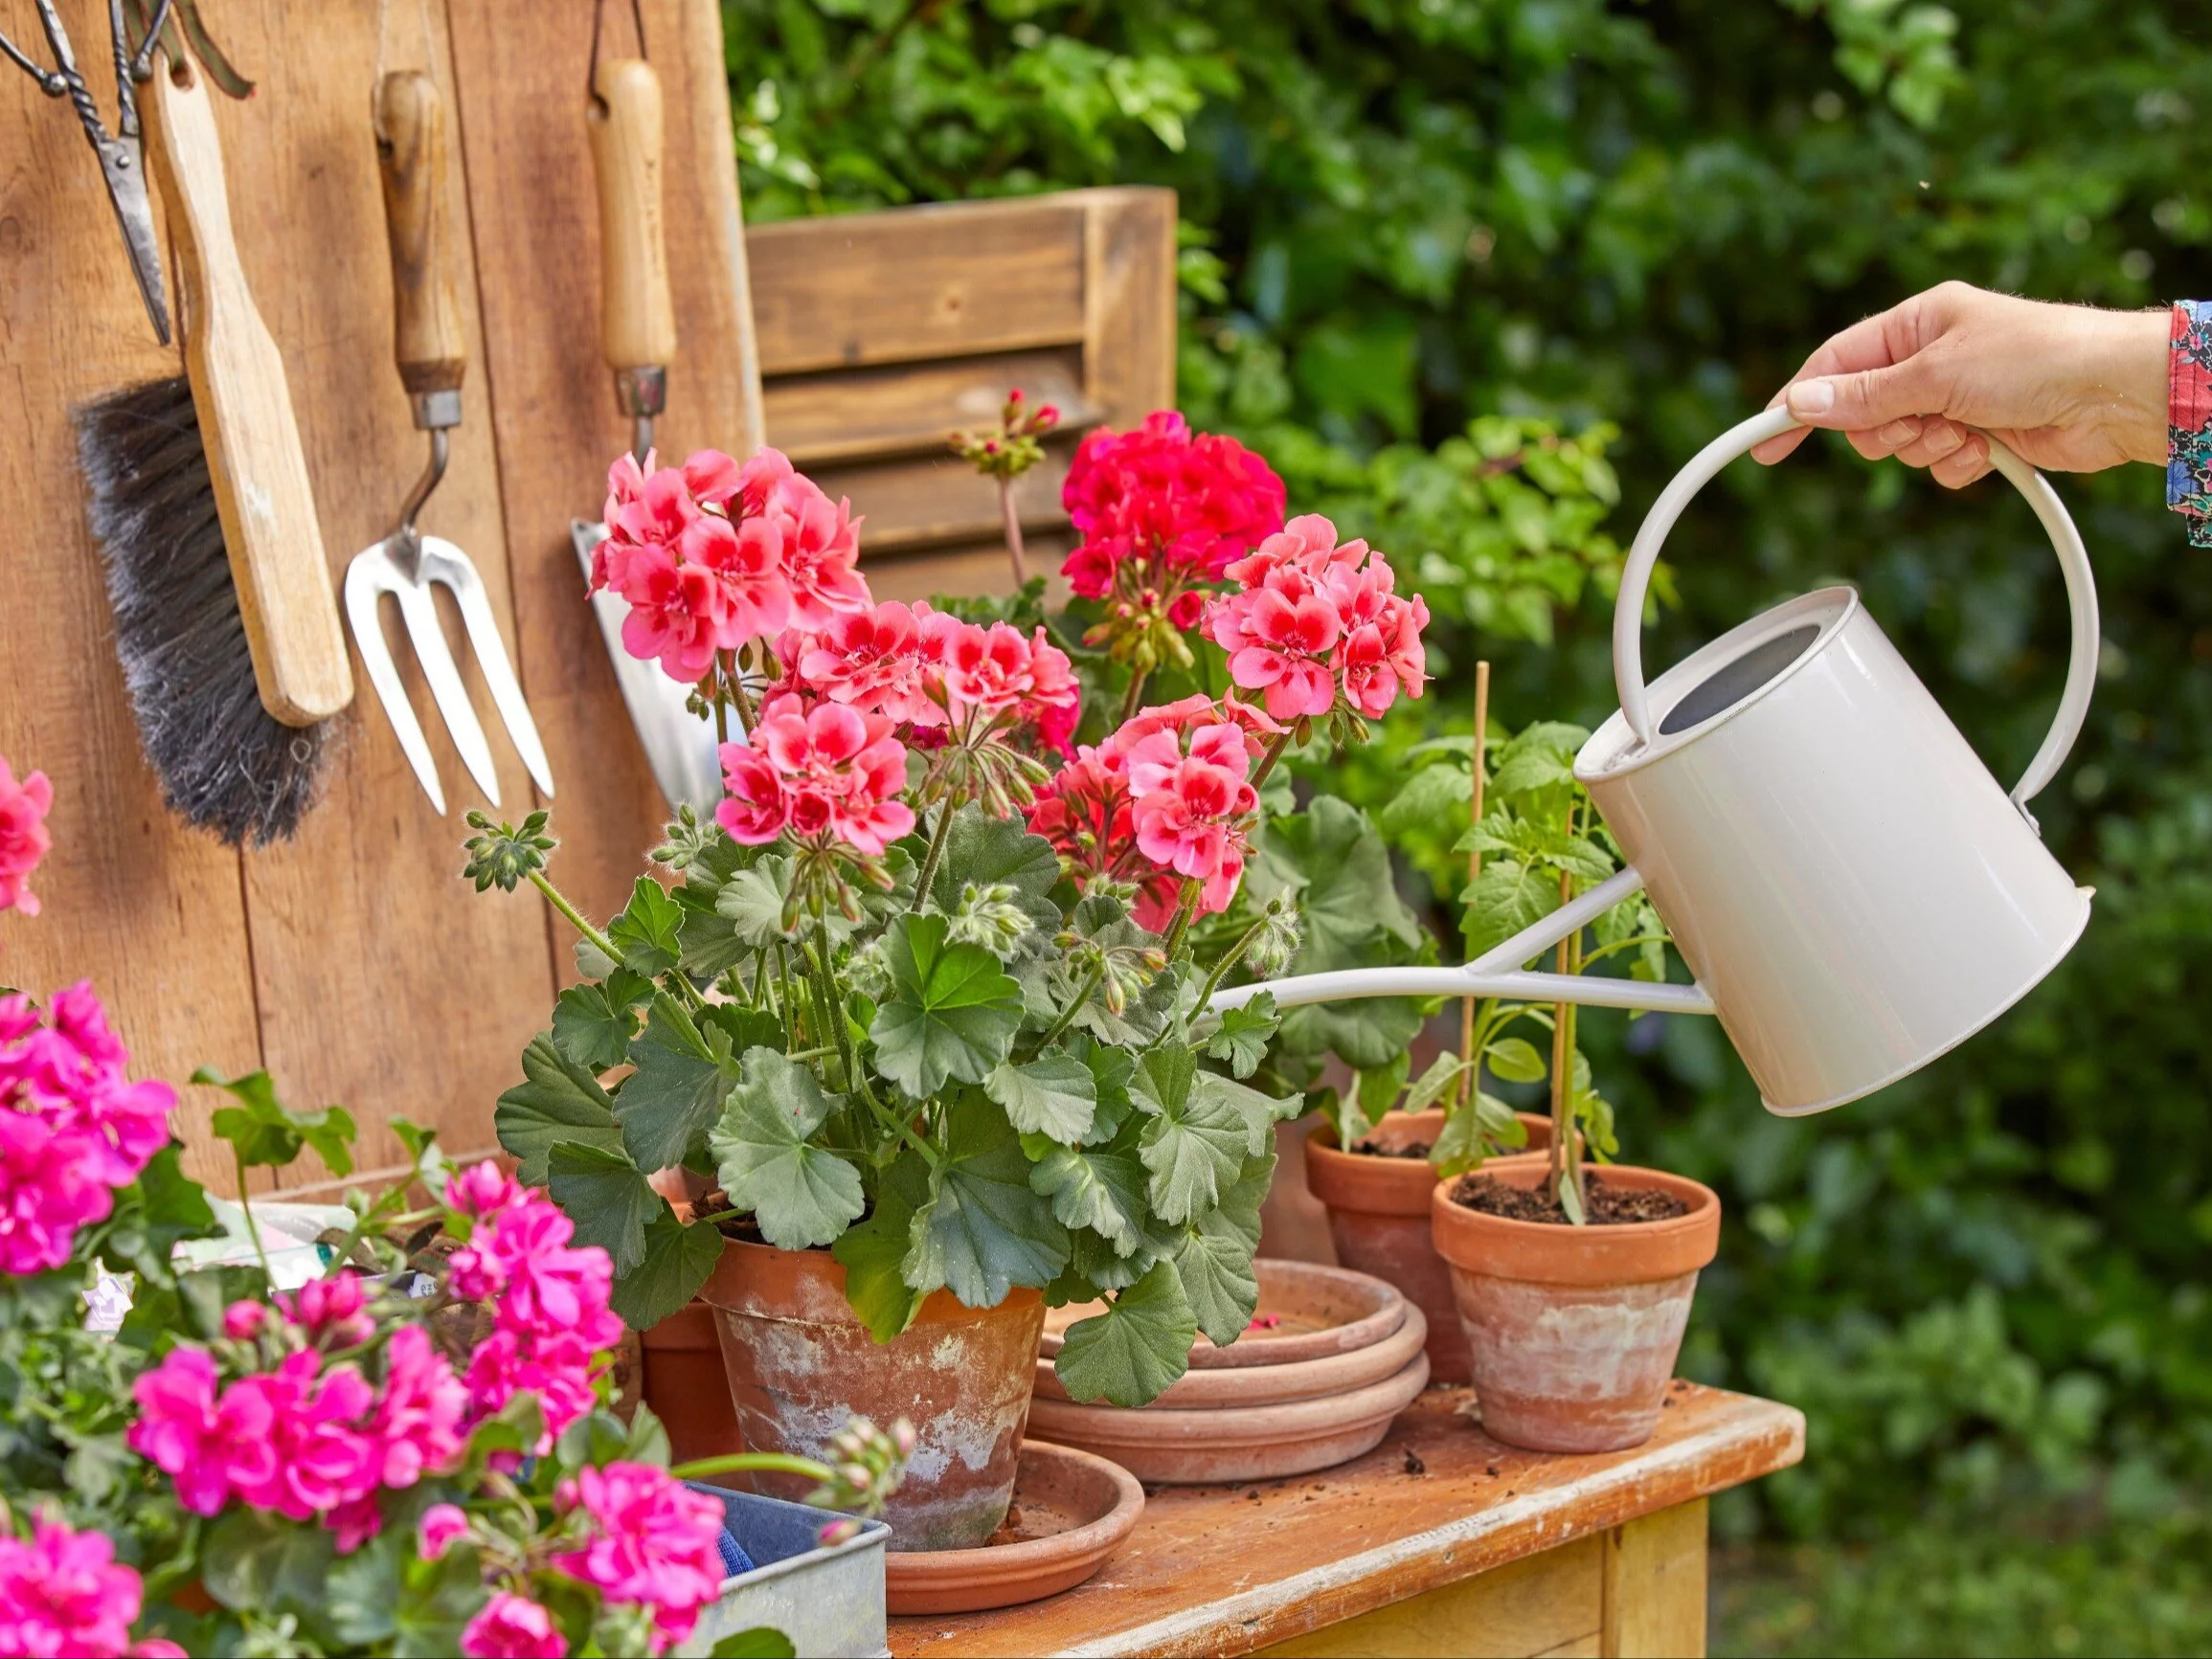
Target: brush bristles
x: 225, y: 763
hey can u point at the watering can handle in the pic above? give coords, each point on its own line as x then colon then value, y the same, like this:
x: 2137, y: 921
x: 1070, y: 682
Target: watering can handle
x: 2073, y: 561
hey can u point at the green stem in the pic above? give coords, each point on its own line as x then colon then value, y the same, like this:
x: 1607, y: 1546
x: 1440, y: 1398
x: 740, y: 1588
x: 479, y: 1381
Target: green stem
x: 929, y: 870
x: 747, y: 716
x: 755, y: 1462
x: 1135, y: 695
x: 1230, y: 958
x: 559, y: 900
x: 721, y: 708
x: 1075, y: 1006
x: 246, y: 1209
x: 1274, y: 753
x: 1192, y: 888
x: 833, y: 1010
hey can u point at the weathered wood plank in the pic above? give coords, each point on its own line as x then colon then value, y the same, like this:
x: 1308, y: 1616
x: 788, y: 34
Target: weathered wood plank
x: 1544, y: 1603
x: 965, y: 571
x: 1216, y: 1570
x: 151, y: 912
x: 944, y: 280
x: 1129, y: 303
x: 1655, y: 1586
x: 863, y: 415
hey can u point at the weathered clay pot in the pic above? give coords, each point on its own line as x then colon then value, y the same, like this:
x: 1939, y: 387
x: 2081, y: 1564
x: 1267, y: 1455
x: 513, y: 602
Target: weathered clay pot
x: 1378, y: 1218
x: 801, y: 1363
x: 1572, y: 1331
x: 686, y: 1388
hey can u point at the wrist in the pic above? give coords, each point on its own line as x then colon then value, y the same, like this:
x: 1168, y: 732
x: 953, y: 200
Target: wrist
x: 2131, y: 378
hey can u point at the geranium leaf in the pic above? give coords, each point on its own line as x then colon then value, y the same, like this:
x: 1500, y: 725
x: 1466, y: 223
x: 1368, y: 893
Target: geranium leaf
x: 1244, y: 1035
x: 646, y: 931
x: 593, y: 1023
x: 752, y: 902
x: 676, y: 1260
x: 800, y: 1195
x: 1214, y: 1258
x: 1131, y: 1353
x: 603, y: 1193
x: 1515, y: 1060
x: 1258, y: 1112
x: 1193, y: 1142
x: 984, y: 850
x: 558, y: 1099
x: 1103, y: 1189
x: 677, y: 1090
x: 952, y: 1013
x: 982, y: 1231
x: 873, y: 1252
x: 1053, y: 1094
x: 268, y: 1134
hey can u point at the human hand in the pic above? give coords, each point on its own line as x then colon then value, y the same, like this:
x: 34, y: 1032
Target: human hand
x: 2067, y: 388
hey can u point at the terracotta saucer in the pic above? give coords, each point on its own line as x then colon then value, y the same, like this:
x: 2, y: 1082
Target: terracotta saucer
x: 1317, y: 1312
x: 1070, y: 1511
x: 1278, y: 1384
x: 1236, y: 1443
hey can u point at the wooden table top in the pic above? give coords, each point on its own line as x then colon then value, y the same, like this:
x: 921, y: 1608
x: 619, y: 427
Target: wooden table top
x: 1226, y: 1569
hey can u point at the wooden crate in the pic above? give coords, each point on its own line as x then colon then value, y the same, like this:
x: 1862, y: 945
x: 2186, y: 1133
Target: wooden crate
x: 352, y: 962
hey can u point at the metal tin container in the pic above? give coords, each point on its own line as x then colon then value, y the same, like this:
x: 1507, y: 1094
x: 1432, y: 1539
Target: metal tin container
x: 828, y: 1600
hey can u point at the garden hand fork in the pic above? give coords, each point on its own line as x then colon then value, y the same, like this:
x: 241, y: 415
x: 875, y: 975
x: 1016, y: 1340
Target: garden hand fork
x: 433, y: 356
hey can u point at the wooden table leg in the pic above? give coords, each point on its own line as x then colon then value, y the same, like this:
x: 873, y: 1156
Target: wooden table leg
x: 1633, y: 1592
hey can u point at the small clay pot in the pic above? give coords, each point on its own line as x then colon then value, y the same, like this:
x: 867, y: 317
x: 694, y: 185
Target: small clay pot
x: 1070, y: 1512
x: 1378, y: 1218
x: 686, y: 1388
x: 1572, y: 1331
x: 801, y: 1363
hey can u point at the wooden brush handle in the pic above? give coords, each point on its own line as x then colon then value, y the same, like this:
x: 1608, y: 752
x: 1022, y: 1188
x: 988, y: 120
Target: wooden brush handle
x: 244, y: 406
x: 430, y: 344
x: 639, y: 319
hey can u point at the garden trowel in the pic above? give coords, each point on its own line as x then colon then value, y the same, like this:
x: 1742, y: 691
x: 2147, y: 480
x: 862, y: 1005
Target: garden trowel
x: 638, y: 336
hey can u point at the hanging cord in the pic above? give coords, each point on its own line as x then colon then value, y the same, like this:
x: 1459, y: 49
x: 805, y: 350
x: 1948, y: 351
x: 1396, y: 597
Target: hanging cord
x: 592, y: 69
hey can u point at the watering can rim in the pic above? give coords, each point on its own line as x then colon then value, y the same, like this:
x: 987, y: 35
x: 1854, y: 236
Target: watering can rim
x: 1613, y: 751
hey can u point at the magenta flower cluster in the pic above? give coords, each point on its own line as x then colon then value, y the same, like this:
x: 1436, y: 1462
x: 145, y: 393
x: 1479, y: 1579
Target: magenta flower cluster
x: 74, y: 1129
x: 652, y: 1541
x: 64, y: 1596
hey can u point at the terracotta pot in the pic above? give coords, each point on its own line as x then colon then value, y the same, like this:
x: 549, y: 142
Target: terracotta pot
x: 1313, y: 1311
x: 1238, y: 1441
x: 1210, y: 1389
x: 1070, y: 1512
x: 801, y: 1363
x: 685, y: 1387
x: 1573, y: 1330
x: 1378, y: 1218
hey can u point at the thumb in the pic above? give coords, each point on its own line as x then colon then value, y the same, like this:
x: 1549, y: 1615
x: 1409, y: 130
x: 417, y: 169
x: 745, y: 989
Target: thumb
x: 1859, y: 402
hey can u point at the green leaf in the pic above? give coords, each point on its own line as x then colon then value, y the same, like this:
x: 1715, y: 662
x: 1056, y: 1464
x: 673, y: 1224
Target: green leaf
x: 1504, y: 898
x: 559, y: 1101
x: 646, y: 931
x: 255, y: 1560
x: 1192, y: 1144
x: 982, y: 1231
x: 1340, y: 870
x: 952, y: 1013
x: 1569, y: 1199
x: 1245, y: 1033
x: 593, y: 1023
x: 1434, y: 1084
x: 1516, y: 1060
x: 1111, y: 1069
x: 872, y: 1253
x: 1054, y: 1094
x: 1259, y: 1112
x: 677, y: 1090
x: 984, y: 850
x: 1131, y: 1353
x: 1365, y: 1033
x: 362, y: 1598
x: 760, y: 1642
x: 604, y: 1194
x: 1103, y: 1189
x: 753, y: 902
x: 676, y: 1260
x: 1213, y: 1259
x: 267, y: 1133
x: 800, y: 1195
x: 1433, y: 800
x: 437, y: 1600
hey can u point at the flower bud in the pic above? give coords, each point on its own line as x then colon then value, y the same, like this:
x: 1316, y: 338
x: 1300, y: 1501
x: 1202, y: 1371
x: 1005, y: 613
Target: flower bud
x: 842, y: 1530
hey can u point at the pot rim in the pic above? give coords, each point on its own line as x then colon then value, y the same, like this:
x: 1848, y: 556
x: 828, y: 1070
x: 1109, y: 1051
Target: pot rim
x: 1546, y: 1252
x: 1241, y: 1427
x: 995, y: 1563
x: 939, y: 1306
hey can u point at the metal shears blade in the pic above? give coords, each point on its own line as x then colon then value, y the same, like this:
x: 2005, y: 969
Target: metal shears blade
x: 121, y: 153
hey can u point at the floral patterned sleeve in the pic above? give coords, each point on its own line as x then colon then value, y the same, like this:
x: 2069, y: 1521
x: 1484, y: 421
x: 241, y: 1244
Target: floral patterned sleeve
x: 2189, y: 419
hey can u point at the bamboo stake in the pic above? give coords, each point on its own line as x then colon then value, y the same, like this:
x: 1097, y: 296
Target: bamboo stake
x: 1470, y: 1080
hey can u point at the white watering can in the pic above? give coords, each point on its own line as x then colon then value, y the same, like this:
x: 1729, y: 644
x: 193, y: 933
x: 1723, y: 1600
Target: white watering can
x: 1854, y: 891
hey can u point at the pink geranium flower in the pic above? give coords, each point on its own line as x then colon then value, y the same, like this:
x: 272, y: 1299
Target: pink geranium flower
x: 878, y: 661
x: 24, y: 838
x: 654, y: 1544
x: 315, y: 1456
x: 332, y: 1309
x: 511, y: 1626
x: 63, y: 1596
x: 829, y: 771
x: 1183, y: 505
x: 440, y: 1527
x: 821, y: 538
x: 198, y: 1439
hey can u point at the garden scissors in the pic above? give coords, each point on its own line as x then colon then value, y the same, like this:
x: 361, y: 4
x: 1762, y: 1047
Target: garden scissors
x: 121, y: 153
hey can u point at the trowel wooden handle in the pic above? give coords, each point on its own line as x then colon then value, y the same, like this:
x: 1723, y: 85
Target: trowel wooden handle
x: 639, y: 319
x: 244, y: 405
x: 429, y: 344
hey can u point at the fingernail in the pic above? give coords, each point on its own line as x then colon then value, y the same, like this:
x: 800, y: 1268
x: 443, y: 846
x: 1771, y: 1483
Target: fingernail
x: 1811, y: 397
x: 1900, y: 433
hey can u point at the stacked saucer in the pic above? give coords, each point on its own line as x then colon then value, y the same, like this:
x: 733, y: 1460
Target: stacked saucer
x: 1330, y: 1359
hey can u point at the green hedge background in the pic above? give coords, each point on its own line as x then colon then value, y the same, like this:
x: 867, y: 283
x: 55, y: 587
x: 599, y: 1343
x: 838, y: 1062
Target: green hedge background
x: 1424, y: 240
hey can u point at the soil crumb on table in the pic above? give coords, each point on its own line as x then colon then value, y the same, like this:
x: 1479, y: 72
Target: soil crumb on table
x: 1605, y: 1205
